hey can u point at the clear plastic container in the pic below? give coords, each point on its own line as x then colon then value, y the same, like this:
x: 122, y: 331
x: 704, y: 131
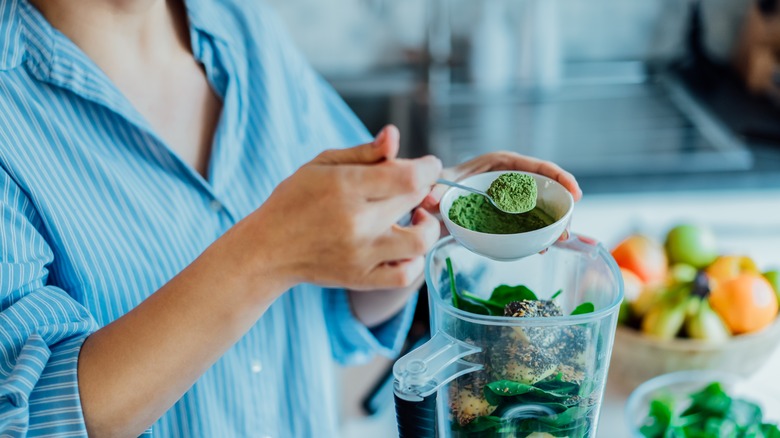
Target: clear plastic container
x: 499, y: 376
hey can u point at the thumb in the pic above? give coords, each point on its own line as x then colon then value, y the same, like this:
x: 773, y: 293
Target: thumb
x: 384, y: 147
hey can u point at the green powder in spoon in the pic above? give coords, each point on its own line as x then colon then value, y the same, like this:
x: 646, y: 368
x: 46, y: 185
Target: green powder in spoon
x: 514, y: 192
x: 475, y: 213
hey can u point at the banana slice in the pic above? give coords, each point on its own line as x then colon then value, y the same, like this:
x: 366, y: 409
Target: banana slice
x: 521, y: 362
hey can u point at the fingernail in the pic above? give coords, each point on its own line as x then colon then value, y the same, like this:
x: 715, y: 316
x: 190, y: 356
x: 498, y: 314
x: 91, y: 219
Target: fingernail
x: 380, y: 137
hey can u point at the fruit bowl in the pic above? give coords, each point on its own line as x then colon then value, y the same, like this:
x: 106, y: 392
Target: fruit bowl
x: 689, y: 306
x: 675, y: 389
x: 636, y: 357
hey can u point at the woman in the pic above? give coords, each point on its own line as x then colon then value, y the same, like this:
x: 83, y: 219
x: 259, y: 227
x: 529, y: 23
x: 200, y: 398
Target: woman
x: 177, y: 247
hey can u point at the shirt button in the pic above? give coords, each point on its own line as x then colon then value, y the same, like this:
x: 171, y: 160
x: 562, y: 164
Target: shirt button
x: 215, y: 206
x: 257, y: 366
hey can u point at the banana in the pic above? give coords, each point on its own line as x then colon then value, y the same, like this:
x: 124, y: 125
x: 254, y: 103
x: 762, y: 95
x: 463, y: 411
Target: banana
x: 665, y: 319
x: 707, y: 325
x: 692, y: 308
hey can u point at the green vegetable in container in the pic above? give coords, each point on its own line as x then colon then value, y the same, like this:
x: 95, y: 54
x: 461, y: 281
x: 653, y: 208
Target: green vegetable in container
x: 533, y: 382
x: 711, y: 413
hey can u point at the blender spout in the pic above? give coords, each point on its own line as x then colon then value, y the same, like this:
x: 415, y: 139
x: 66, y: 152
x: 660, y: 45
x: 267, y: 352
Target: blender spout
x: 437, y: 362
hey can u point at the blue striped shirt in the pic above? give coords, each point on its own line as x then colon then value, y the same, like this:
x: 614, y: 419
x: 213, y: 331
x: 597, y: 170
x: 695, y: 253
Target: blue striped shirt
x: 97, y: 213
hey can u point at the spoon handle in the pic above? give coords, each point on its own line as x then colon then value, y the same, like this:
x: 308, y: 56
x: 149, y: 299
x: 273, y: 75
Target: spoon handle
x: 462, y: 187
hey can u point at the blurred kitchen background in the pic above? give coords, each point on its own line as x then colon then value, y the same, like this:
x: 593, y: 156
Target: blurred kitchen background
x: 637, y: 98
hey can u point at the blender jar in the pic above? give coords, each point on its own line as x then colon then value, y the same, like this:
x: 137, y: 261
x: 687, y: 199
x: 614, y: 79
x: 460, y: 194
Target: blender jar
x: 508, y: 376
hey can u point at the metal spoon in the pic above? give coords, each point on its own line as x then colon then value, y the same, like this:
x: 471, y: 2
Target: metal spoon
x: 479, y: 192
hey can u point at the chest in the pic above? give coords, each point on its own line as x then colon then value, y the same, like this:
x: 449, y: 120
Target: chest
x: 179, y: 104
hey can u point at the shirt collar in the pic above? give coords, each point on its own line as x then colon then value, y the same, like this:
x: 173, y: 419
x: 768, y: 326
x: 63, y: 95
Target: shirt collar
x: 24, y: 31
x: 11, y: 44
x: 206, y: 17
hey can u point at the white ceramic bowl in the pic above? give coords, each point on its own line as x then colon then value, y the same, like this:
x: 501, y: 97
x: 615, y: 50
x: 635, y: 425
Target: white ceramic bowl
x: 552, y: 197
x: 679, y: 385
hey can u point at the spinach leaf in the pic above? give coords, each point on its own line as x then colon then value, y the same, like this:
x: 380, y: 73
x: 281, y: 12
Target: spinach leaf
x: 559, y: 387
x: 584, y: 308
x: 711, y: 413
x: 491, y: 307
x: 770, y: 430
x: 466, y: 303
x: 711, y: 401
x: 453, y: 289
x: 504, y: 294
x: 469, y: 304
x: 496, y: 391
x: 659, y: 418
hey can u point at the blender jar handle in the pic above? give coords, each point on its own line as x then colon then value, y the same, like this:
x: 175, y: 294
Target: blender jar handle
x: 580, y: 243
x: 420, y: 373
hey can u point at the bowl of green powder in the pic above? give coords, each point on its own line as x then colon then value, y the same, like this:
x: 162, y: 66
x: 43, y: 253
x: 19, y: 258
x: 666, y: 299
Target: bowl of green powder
x: 482, y: 228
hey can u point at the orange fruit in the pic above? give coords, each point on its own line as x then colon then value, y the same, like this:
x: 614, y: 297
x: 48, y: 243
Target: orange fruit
x: 730, y: 266
x: 644, y: 257
x: 747, y: 302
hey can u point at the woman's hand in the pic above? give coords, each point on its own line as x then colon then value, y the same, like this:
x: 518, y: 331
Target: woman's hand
x: 333, y: 222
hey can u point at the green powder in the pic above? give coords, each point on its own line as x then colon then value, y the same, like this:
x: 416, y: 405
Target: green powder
x: 514, y: 192
x: 475, y: 213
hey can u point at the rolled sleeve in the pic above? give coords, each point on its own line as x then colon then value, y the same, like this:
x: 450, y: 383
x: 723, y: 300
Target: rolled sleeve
x: 42, y: 329
x: 352, y: 342
x: 39, y: 393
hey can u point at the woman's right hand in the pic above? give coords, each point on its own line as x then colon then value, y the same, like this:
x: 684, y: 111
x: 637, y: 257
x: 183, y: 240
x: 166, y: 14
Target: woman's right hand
x: 334, y: 221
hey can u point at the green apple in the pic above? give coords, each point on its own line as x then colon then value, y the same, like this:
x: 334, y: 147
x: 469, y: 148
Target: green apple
x: 774, y: 279
x: 694, y: 245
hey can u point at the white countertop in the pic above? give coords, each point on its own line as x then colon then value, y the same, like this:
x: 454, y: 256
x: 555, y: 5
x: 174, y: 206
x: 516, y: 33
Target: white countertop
x: 745, y: 223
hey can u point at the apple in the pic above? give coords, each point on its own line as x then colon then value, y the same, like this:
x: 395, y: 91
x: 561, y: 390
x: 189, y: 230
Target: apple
x: 694, y: 245
x: 644, y: 257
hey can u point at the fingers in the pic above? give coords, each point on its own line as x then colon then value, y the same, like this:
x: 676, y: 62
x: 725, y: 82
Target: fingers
x: 399, y: 177
x: 388, y: 142
x: 397, y: 274
x: 401, y: 243
x: 384, y: 147
x: 548, y: 169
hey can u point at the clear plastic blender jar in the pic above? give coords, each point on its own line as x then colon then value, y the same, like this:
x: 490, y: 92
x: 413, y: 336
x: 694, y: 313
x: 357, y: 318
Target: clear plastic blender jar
x: 507, y: 376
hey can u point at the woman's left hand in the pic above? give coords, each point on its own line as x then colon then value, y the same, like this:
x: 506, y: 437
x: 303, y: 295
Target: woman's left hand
x: 501, y: 161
